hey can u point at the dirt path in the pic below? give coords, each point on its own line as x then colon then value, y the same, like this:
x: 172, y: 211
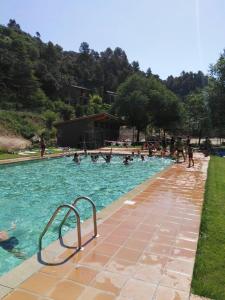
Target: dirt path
x: 10, y: 142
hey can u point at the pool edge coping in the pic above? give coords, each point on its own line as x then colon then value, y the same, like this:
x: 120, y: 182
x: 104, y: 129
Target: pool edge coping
x: 20, y: 273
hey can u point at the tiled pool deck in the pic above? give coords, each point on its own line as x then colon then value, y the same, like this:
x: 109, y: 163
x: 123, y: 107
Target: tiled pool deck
x: 146, y: 249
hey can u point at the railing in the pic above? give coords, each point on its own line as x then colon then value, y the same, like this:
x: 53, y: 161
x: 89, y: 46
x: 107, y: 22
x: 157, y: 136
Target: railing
x: 74, y: 205
x: 72, y: 208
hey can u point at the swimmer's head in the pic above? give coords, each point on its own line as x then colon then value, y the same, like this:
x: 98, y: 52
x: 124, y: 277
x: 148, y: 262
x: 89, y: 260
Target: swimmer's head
x: 3, y: 236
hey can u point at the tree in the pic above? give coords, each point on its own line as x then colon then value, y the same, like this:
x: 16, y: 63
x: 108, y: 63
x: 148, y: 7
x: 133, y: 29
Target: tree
x: 217, y: 95
x: 144, y: 100
x: 186, y: 83
x: 12, y: 24
x: 65, y: 111
x: 166, y: 110
x: 84, y: 48
x: 96, y: 105
x: 49, y: 117
x: 135, y: 66
x: 148, y: 72
x: 197, y: 114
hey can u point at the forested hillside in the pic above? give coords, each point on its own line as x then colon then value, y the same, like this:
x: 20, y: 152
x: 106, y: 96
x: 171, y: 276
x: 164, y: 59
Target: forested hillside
x: 38, y: 76
x: 186, y: 83
x: 37, y: 80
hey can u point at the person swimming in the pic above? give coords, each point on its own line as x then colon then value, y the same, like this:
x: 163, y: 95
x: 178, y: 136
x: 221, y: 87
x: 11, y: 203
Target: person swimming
x: 107, y: 157
x: 94, y: 158
x: 76, y: 158
x: 126, y: 160
x: 85, y: 153
x: 8, y: 243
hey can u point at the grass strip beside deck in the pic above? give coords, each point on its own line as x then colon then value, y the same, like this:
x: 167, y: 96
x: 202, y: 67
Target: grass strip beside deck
x: 209, y: 271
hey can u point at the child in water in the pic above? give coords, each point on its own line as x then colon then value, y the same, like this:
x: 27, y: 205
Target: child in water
x: 9, y: 243
x: 108, y: 157
x: 76, y: 158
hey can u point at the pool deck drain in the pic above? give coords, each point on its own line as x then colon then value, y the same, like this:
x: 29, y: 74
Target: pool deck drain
x: 146, y: 249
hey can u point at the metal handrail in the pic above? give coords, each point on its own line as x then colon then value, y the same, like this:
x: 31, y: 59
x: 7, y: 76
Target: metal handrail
x: 94, y: 213
x: 72, y: 208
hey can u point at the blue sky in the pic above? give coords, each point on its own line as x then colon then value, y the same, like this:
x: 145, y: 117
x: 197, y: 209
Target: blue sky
x: 168, y: 36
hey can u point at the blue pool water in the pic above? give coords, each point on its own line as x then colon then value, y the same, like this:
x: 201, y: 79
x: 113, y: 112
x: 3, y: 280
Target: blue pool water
x: 30, y: 192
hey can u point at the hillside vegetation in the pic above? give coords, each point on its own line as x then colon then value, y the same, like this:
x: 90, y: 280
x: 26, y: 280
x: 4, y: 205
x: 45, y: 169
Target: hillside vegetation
x: 38, y: 86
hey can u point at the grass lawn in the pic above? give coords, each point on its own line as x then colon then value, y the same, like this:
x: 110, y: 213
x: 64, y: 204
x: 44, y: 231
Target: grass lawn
x: 8, y: 156
x: 209, y: 272
x: 49, y: 150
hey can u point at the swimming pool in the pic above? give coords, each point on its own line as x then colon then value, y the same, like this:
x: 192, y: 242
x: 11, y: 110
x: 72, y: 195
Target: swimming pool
x: 30, y: 192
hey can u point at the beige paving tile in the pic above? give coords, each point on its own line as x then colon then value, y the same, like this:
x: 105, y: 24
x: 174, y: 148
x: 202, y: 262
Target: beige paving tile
x: 116, y: 239
x: 4, y: 291
x: 183, y: 254
x: 149, y: 273
x: 39, y: 283
x: 128, y: 254
x: 180, y: 266
x: 143, y: 235
x: 121, y: 266
x: 109, y: 282
x: 107, y: 249
x: 138, y: 245
x: 159, y: 249
x: 137, y: 289
x: 165, y: 293
x: 95, y: 260
x: 21, y: 295
x: 163, y: 239
x: 65, y: 289
x: 153, y: 259
x: 95, y: 294
x: 186, y: 244
x: 82, y: 274
x: 58, y: 271
x: 176, y: 281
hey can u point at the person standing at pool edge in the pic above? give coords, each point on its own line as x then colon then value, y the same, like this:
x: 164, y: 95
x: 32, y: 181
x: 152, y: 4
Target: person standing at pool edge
x: 190, y: 156
x: 43, y: 146
x: 179, y: 149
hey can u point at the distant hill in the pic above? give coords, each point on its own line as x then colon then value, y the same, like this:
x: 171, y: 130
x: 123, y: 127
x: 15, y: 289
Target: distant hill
x: 37, y: 81
x: 37, y: 76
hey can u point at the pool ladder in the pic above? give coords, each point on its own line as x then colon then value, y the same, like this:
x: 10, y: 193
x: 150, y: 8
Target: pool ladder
x: 72, y: 208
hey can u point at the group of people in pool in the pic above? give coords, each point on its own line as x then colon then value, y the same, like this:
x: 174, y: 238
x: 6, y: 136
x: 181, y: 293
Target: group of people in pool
x: 175, y: 148
x: 107, y: 157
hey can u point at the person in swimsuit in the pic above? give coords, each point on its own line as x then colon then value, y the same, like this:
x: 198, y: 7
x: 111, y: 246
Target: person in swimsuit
x: 179, y: 148
x: 108, y: 157
x: 190, y: 156
x: 76, y: 158
x: 126, y: 160
x: 9, y: 243
x: 43, y: 146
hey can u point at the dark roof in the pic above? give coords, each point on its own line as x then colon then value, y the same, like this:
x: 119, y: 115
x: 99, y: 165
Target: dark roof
x: 111, y: 93
x: 80, y: 87
x: 96, y: 117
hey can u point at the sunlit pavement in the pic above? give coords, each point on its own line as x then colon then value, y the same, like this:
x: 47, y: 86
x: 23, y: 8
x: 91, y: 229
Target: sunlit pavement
x: 146, y: 249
